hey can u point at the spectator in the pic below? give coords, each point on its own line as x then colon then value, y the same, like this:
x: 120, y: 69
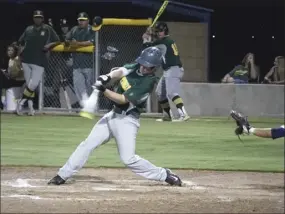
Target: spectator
x: 246, y: 72
x: 80, y: 36
x: 37, y: 39
x: 11, y: 79
x: 276, y: 73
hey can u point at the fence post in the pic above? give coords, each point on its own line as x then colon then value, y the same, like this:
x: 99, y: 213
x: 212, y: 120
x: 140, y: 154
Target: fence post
x: 41, y: 94
x: 97, y: 55
x: 148, y: 104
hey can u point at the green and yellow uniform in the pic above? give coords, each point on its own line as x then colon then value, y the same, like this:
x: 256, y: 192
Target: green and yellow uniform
x: 171, y: 56
x: 168, y: 87
x: 34, y: 39
x: 136, y: 87
x: 83, y: 74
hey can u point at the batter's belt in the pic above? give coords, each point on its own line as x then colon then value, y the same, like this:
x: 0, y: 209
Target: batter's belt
x: 133, y: 112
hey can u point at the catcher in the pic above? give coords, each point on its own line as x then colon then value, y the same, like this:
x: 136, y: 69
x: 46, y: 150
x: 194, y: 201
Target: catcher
x: 136, y: 83
x: 246, y: 128
x: 168, y: 87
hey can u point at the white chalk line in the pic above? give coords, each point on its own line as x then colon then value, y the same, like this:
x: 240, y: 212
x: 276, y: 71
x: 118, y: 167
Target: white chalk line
x: 24, y: 183
x: 117, y: 185
x: 35, y: 197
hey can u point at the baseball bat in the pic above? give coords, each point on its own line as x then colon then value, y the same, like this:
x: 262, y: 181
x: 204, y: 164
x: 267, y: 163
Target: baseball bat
x: 161, y: 9
x: 90, y: 105
x: 67, y: 100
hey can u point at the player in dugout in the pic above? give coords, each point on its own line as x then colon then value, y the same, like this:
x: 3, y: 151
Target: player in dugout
x: 35, y: 42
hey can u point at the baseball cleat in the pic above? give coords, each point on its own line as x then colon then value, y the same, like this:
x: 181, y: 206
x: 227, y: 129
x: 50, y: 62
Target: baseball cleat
x: 19, y: 108
x: 57, y: 180
x: 31, y: 112
x: 182, y: 119
x: 87, y: 115
x: 31, y: 108
x: 172, y: 179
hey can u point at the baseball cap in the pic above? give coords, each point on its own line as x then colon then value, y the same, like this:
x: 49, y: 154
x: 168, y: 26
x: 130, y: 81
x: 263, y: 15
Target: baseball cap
x: 38, y: 14
x: 82, y: 16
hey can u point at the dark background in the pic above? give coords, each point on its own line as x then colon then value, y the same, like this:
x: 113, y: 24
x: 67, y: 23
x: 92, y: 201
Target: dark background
x: 233, y: 23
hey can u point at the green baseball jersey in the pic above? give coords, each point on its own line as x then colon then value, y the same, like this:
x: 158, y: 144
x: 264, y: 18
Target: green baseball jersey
x: 136, y: 87
x: 240, y: 72
x: 170, y: 50
x: 82, y: 60
x: 34, y: 39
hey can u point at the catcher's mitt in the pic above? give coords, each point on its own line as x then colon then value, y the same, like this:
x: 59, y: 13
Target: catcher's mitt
x: 239, y: 130
x: 241, y: 122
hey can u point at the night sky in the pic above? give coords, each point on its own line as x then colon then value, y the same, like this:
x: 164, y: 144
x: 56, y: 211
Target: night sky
x: 234, y: 23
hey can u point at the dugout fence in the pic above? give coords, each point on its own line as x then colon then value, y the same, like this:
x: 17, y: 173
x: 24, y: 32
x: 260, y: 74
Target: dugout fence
x: 118, y: 41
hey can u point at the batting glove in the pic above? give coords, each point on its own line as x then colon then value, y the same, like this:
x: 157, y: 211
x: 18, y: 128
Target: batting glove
x: 104, y: 79
x: 99, y: 86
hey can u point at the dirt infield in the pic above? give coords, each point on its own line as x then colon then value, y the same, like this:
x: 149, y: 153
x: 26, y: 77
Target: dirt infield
x: 24, y: 190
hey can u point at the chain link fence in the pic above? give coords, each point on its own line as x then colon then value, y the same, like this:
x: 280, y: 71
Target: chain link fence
x: 58, y: 79
x: 119, y: 45
x: 72, y: 72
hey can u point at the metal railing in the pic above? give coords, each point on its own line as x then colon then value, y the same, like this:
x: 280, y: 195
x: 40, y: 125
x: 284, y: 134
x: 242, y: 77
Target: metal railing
x: 119, y: 41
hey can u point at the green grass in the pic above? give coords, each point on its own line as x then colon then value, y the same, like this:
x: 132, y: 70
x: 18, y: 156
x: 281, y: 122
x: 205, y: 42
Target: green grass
x: 197, y: 144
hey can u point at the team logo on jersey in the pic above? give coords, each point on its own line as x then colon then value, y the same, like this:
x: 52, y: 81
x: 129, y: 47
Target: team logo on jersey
x: 42, y: 33
x: 125, y: 84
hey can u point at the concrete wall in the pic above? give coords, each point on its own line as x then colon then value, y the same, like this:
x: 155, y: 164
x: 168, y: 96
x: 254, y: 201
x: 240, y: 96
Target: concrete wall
x: 192, y: 42
x: 203, y: 99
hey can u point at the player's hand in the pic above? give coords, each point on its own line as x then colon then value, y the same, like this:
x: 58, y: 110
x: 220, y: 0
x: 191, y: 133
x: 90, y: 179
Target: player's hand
x: 66, y: 42
x: 146, y: 37
x: 99, y: 86
x: 104, y: 79
x: 73, y: 42
x: 46, y: 48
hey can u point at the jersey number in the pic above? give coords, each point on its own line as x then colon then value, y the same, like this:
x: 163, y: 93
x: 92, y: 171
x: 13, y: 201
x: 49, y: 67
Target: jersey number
x: 175, y: 49
x: 125, y: 84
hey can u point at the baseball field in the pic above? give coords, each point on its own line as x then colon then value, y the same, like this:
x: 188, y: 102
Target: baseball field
x: 220, y: 174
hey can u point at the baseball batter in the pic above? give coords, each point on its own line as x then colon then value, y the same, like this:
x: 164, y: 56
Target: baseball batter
x: 122, y: 123
x: 168, y: 87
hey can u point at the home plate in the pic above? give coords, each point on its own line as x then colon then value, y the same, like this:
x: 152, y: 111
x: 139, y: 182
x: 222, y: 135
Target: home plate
x: 224, y: 199
x: 20, y: 183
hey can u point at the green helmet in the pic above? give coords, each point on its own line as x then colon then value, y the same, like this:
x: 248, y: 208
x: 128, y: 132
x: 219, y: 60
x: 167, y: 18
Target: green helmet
x: 150, y: 57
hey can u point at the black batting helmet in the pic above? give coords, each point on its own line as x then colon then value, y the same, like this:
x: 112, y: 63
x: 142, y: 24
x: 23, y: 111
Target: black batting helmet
x: 161, y: 27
